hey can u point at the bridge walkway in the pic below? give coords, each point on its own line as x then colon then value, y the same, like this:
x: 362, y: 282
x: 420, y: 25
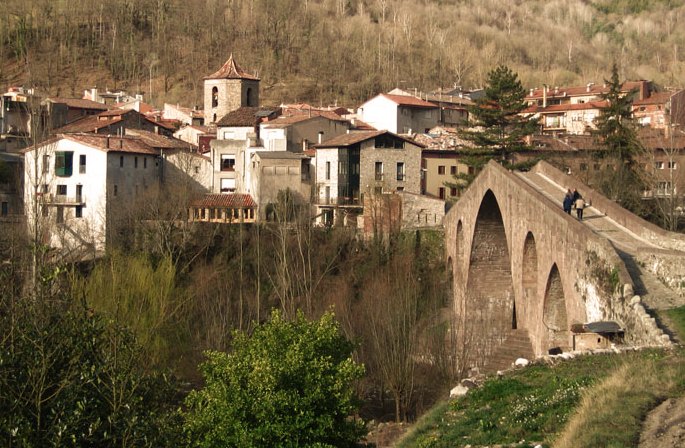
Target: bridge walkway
x: 654, y: 294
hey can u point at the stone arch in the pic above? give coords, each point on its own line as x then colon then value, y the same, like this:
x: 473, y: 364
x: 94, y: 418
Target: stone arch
x: 554, y: 311
x: 489, y: 285
x: 215, y: 96
x: 529, y: 270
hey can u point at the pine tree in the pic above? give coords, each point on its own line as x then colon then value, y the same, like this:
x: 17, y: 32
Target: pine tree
x: 623, y: 180
x: 500, y: 129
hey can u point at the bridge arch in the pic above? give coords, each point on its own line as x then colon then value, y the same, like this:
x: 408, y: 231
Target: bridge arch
x: 554, y: 312
x: 529, y: 273
x: 489, y: 286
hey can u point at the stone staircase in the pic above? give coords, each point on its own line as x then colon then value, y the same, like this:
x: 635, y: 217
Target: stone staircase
x: 516, y: 345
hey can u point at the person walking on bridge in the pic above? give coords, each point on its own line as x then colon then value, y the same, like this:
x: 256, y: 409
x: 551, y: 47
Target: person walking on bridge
x: 580, y: 205
x: 568, y: 201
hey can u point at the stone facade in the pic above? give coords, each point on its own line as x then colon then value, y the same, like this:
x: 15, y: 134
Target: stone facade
x: 390, y: 159
x: 421, y: 211
x: 230, y: 95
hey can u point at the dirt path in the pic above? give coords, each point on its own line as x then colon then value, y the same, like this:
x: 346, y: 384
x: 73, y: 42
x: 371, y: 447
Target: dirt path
x: 665, y: 425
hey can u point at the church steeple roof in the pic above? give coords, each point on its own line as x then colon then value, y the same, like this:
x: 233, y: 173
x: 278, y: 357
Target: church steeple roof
x: 231, y: 70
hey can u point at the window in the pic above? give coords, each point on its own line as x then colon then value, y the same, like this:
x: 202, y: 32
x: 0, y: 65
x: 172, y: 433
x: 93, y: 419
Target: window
x: 400, y: 171
x: 664, y: 189
x: 116, y: 190
x: 227, y: 185
x: 441, y: 192
x: 378, y: 190
x: 61, y: 190
x: 64, y: 163
x: 328, y: 170
x: 215, y: 97
x: 135, y: 162
x: 60, y: 215
x: 672, y: 165
x: 197, y: 169
x: 441, y: 169
x: 46, y: 164
x: 5, y: 209
x: 583, y: 167
x: 121, y: 161
x: 659, y: 165
x: 453, y: 170
x: 378, y: 170
x: 453, y: 191
x: 227, y: 162
x: 144, y: 163
x: 400, y: 188
x: 78, y: 212
x: 82, y: 164
x: 342, y: 168
x: 79, y: 193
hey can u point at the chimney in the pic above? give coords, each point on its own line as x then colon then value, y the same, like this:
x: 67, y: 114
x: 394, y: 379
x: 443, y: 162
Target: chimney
x: 589, y: 86
x: 556, y: 90
x: 544, y: 95
x: 531, y: 92
x: 320, y: 137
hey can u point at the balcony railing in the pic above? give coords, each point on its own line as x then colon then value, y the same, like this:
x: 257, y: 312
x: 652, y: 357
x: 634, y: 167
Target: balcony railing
x: 62, y: 199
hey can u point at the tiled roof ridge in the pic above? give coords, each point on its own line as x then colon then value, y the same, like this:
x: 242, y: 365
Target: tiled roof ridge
x: 231, y: 70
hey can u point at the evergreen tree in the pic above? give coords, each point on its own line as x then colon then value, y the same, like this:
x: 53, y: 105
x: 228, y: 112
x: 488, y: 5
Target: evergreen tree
x: 501, y: 130
x: 623, y: 179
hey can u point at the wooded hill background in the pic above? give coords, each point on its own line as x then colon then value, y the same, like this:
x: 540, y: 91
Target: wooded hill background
x: 333, y: 51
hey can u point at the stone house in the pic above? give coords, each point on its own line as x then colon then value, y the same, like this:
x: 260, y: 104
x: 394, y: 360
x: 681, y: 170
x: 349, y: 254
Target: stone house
x: 370, y: 162
x: 276, y: 171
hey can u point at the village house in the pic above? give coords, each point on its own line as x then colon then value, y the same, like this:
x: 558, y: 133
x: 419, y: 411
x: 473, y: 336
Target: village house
x: 184, y: 115
x: 298, y: 132
x: 399, y: 114
x: 115, y: 122
x: 21, y: 116
x: 453, y: 109
x: 352, y: 165
x: 76, y: 184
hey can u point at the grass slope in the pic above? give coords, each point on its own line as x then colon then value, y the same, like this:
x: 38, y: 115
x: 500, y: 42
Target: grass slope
x: 590, y: 401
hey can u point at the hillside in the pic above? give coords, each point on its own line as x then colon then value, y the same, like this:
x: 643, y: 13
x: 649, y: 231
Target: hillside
x: 326, y: 51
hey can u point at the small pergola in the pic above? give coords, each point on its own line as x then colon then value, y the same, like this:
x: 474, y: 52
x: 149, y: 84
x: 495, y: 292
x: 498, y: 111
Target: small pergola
x: 232, y: 208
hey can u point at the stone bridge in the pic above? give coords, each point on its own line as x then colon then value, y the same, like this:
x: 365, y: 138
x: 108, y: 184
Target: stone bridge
x: 523, y: 270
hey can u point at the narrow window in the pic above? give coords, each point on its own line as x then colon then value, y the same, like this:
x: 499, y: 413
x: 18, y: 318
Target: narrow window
x: 227, y: 162
x: 116, y: 190
x: 441, y: 169
x: 135, y: 162
x: 378, y: 170
x: 400, y: 171
x: 46, y: 164
x: 61, y: 190
x: 453, y: 191
x: 328, y: 170
x: 60, y: 214
x: 453, y: 170
x: 215, y: 98
x: 144, y: 163
x: 121, y: 161
x: 82, y: 164
x: 78, y: 212
x: 441, y: 192
x: 5, y: 209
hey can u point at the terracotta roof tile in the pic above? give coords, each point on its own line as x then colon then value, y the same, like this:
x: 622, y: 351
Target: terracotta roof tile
x: 157, y: 140
x: 243, y: 117
x: 235, y: 200
x: 88, y: 124
x: 114, y: 144
x: 409, y: 101
x: 565, y: 107
x: 231, y: 70
x: 654, y: 98
x: 357, y: 137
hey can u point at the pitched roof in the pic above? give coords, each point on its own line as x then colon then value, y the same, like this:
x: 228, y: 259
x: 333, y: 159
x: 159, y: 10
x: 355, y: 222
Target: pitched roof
x: 112, y: 144
x: 235, y: 200
x: 79, y: 103
x: 243, y: 117
x: 88, y: 124
x: 408, y: 101
x: 357, y: 137
x: 654, y: 98
x: 231, y: 70
x: 589, y: 89
x: 157, y: 140
x: 282, y: 122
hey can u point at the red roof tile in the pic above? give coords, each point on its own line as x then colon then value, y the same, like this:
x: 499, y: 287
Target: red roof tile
x: 357, y: 137
x: 235, y: 200
x: 409, y: 101
x: 157, y: 140
x: 88, y: 124
x: 565, y: 107
x: 654, y: 98
x: 231, y: 70
x: 115, y: 144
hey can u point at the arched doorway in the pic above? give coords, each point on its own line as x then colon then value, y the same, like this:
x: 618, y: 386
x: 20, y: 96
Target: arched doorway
x: 554, y: 312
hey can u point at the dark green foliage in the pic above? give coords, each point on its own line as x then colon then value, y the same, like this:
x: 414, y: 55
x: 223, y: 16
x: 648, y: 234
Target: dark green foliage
x: 70, y: 378
x: 617, y: 135
x: 289, y: 384
x: 503, y: 129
